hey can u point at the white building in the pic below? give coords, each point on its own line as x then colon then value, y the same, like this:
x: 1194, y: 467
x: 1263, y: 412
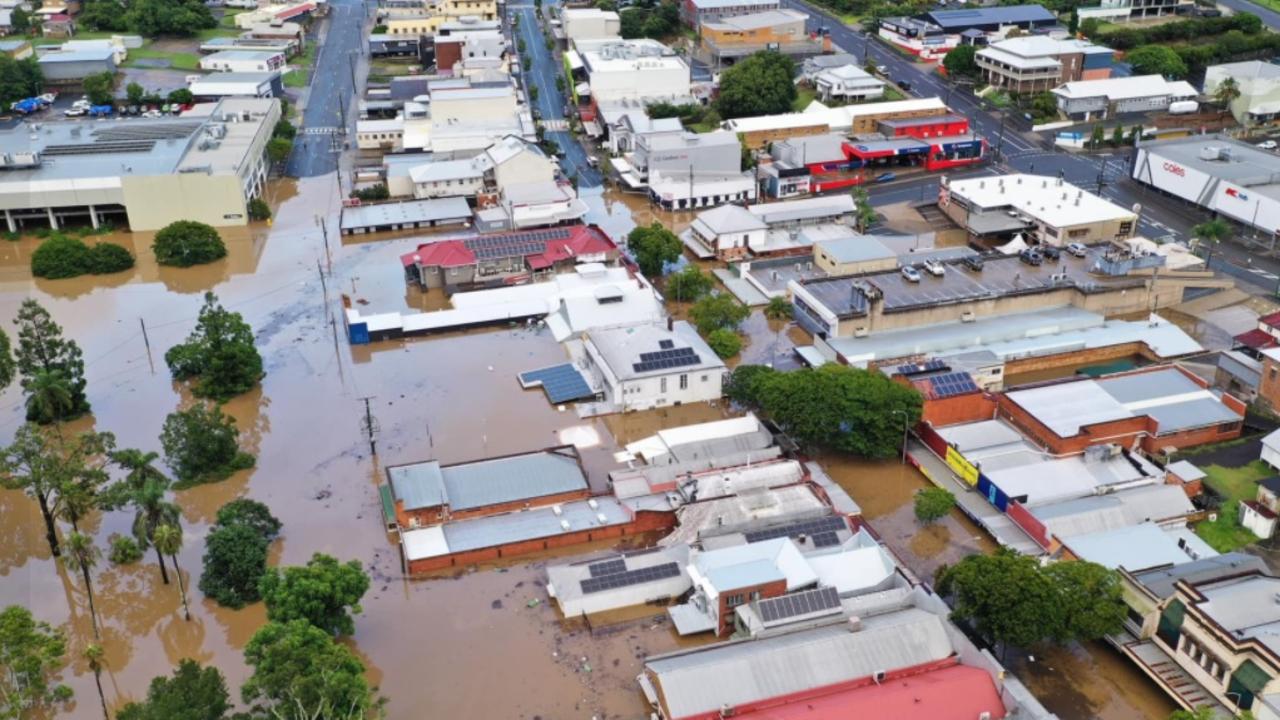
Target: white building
x: 632, y: 69
x: 447, y: 178
x: 1051, y: 210
x: 1259, y: 85
x: 1271, y: 449
x: 848, y: 82
x: 1098, y: 99
x: 1220, y: 174
x: 243, y: 61
x: 733, y: 231
x: 590, y: 23
x: 231, y: 84
x: 640, y: 367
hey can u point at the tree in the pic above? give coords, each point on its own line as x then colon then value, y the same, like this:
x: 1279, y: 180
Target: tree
x: 42, y: 465
x: 134, y: 92
x: 713, y: 312
x: 168, y: 541
x: 299, y: 672
x: 6, y: 360
x: 251, y: 514
x: 864, y: 213
x: 193, y: 693
x: 724, y: 342
x: 748, y: 158
x: 184, y: 243
x: 1004, y: 597
x: 1117, y: 136
x: 19, y: 79
x: 180, y: 18
x: 181, y: 96
x: 31, y: 662
x: 41, y: 347
x: 746, y: 384
x: 284, y: 129
x: 933, y: 503
x: 82, y: 556
x: 653, y: 247
x: 1226, y: 92
x: 201, y: 444
x: 235, y: 558
x: 20, y: 20
x: 1157, y: 60
x: 100, y: 87
x: 779, y: 308
x: 219, y: 354
x: 48, y: 396
x: 93, y: 654
x: 760, y: 84
x: 1089, y: 598
x: 1073, y: 24
x: 1211, y: 233
x: 124, y: 550
x: 144, y: 488
x: 961, y: 61
x: 258, y: 209
x: 1096, y: 137
x: 323, y: 592
x: 278, y: 150
x: 689, y: 284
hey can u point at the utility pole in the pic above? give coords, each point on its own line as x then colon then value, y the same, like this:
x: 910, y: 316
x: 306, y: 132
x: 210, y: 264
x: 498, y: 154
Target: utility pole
x: 351, y: 60
x: 1000, y: 143
x: 324, y: 231
x: 369, y: 425
x: 146, y: 341
x: 1102, y: 175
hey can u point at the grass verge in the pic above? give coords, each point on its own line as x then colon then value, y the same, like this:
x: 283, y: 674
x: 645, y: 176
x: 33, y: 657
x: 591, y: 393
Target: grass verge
x: 177, y: 60
x: 1234, y: 484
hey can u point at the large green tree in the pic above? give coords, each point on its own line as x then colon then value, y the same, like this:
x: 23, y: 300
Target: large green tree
x: 150, y: 18
x: 19, y: 79
x: 32, y: 656
x: 193, y: 693
x: 235, y: 559
x: 961, y: 62
x: 41, y: 348
x: 300, y: 673
x: 654, y: 247
x: 201, y: 444
x: 184, y: 243
x: 1090, y: 599
x: 719, y: 311
x: 219, y: 354
x: 688, y: 285
x: 251, y: 514
x: 1156, y: 60
x: 760, y: 84
x: 324, y: 592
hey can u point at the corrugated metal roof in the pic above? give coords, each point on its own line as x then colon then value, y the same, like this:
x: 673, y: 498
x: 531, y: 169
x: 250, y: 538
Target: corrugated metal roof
x: 1154, y: 503
x: 1137, y: 547
x: 1160, y: 581
x: 418, y: 485
x: 502, y: 480
x: 707, y: 679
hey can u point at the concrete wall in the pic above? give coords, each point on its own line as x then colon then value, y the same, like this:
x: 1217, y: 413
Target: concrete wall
x: 653, y: 392
x: 157, y: 200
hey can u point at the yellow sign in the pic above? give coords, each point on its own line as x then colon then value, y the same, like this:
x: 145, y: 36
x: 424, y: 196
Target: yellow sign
x: 961, y: 466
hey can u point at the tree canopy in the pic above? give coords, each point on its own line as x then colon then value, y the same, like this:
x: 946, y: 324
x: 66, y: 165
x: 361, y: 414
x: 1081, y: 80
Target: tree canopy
x: 219, y: 354
x: 41, y: 348
x: 960, y: 61
x: 760, y: 84
x: 193, y: 693
x: 1156, y: 60
x: 184, y: 243
x: 649, y: 20
x: 32, y: 655
x: 933, y: 503
x: 299, y: 672
x: 653, y: 247
x: 834, y: 406
x: 202, y: 444
x: 724, y: 342
x: 19, y: 79
x: 251, y: 514
x: 718, y: 311
x: 687, y: 285
x: 323, y: 592
x: 235, y: 558
x: 149, y: 18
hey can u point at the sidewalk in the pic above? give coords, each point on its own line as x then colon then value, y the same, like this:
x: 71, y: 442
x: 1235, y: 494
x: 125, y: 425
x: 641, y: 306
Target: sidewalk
x: 996, y: 523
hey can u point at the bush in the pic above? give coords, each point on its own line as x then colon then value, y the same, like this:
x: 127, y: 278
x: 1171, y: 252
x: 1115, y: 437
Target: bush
x: 375, y: 192
x: 688, y: 285
x: 725, y: 342
x: 202, y: 444
x: 933, y: 503
x: 124, y: 550
x: 182, y: 96
x: 259, y: 210
x: 110, y: 258
x: 185, y: 243
x: 714, y: 312
x: 235, y: 559
x: 61, y: 257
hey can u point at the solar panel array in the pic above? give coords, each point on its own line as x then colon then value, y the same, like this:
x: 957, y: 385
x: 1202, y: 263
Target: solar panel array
x: 562, y: 383
x: 952, y: 384
x: 491, y: 247
x: 826, y: 539
x: 924, y: 367
x: 147, y: 131
x: 663, y: 359
x: 803, y: 527
x: 666, y: 344
x: 797, y: 604
x: 630, y: 577
x: 608, y: 567
x: 99, y: 148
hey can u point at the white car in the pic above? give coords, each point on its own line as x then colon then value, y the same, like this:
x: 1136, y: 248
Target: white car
x: 1077, y: 250
x: 1267, y: 145
x: 935, y: 268
x: 910, y: 273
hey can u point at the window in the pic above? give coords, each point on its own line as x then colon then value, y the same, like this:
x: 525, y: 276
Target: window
x: 684, y: 382
x: 662, y: 385
x: 732, y: 601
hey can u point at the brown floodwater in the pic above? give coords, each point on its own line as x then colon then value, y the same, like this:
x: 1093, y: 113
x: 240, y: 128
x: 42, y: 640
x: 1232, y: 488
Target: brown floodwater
x: 438, y: 646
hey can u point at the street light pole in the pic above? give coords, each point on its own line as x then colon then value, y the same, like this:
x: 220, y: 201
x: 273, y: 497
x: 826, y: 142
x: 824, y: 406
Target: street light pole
x: 905, y: 427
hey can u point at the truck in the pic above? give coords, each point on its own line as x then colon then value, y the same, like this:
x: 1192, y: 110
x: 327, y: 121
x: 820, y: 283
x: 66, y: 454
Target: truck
x: 1183, y: 107
x: 101, y: 110
x: 26, y: 106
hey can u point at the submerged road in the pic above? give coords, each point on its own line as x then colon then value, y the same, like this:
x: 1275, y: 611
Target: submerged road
x: 331, y: 102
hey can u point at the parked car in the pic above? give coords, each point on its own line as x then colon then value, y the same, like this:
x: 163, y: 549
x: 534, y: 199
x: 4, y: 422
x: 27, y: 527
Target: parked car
x: 935, y: 268
x: 882, y: 69
x: 906, y: 86
x: 910, y: 273
x: 1031, y: 256
x: 1267, y: 144
x: 886, y: 177
x: 1051, y: 252
x: 973, y: 262
x: 1078, y: 250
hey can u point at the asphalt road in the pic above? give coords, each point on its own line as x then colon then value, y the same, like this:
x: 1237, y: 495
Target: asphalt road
x: 1270, y: 18
x: 318, y: 144
x: 551, y: 102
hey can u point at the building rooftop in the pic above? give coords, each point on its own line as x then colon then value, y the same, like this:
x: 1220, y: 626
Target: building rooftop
x: 616, y: 55
x: 650, y: 350
x: 712, y: 4
x: 85, y: 54
x: 814, y: 209
x: 249, y: 78
x: 1126, y: 88
x: 1150, y: 503
x: 1138, y: 547
x: 1250, y: 69
x: 755, y: 21
x: 728, y: 219
x: 855, y: 248
x: 1186, y: 470
x: 836, y: 118
x: 751, y: 564
x: 403, y: 213
x: 572, y: 582
x: 1166, y: 394
x: 1225, y: 158
x: 246, y: 55
x: 956, y: 20
x: 1245, y: 607
x: 1040, y: 46
x: 1053, y: 201
x: 541, y: 247
x: 1161, y: 580
x: 809, y: 149
x: 513, y: 527
x: 466, y: 486
x: 707, y: 518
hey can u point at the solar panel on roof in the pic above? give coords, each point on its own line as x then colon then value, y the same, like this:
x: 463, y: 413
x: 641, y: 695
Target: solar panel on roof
x: 826, y: 539
x: 562, y: 383
x: 803, y: 527
x: 630, y: 577
x: 608, y: 567
x: 797, y: 604
x: 953, y: 384
x: 666, y: 344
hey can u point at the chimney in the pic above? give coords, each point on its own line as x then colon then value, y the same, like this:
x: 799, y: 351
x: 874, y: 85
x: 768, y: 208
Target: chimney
x: 671, y: 324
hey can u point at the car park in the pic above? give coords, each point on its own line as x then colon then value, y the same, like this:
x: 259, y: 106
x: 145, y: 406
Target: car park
x: 1078, y: 250
x: 935, y: 268
x: 910, y: 273
x: 1031, y: 256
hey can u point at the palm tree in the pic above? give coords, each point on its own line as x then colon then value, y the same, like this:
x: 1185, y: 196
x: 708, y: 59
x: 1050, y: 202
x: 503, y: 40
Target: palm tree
x: 1226, y: 92
x: 94, y: 654
x: 778, y: 309
x: 1211, y: 233
x: 144, y: 488
x: 49, y: 397
x: 82, y: 555
x: 168, y: 541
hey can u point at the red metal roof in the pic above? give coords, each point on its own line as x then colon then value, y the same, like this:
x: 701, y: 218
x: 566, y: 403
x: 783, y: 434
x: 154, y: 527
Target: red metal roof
x: 958, y: 692
x: 1272, y: 320
x: 544, y: 247
x: 1256, y: 339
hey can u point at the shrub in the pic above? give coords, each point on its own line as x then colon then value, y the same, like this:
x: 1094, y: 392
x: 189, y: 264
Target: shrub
x: 725, y: 342
x: 202, y: 444
x: 110, y: 258
x: 124, y: 550
x: 374, y: 192
x: 713, y: 312
x: 61, y: 257
x: 259, y: 210
x: 235, y: 558
x: 185, y: 243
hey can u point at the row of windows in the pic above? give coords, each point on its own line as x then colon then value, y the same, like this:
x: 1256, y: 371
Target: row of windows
x: 1201, y: 656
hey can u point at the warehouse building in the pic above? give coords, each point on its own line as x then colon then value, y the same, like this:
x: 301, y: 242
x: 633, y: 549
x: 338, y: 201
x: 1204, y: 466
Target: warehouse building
x: 1049, y: 210
x: 1259, y: 85
x: 70, y: 67
x: 1218, y: 173
x: 243, y: 61
x: 204, y: 167
x: 236, y: 84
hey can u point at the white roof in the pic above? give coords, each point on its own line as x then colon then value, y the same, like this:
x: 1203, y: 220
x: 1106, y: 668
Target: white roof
x: 757, y: 20
x: 1125, y: 88
x: 442, y: 170
x: 860, y: 564
x: 1139, y: 547
x: 1272, y: 440
x: 1055, y: 202
x: 729, y: 218
x: 838, y: 118
x: 742, y: 566
x: 621, y: 347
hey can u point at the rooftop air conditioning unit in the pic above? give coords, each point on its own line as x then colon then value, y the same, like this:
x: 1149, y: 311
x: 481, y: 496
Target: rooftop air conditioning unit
x: 878, y: 676
x: 564, y: 524
x: 557, y: 510
x: 861, y: 332
x: 855, y: 623
x: 967, y: 316
x: 1209, y: 152
x: 601, y: 517
x: 593, y: 504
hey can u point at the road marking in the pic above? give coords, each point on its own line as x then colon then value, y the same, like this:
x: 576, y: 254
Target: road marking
x: 319, y: 131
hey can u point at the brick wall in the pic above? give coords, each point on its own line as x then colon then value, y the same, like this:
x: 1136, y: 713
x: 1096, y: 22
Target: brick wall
x: 767, y: 590
x: 1079, y: 358
x: 448, y: 53
x: 1269, y: 385
x: 973, y: 407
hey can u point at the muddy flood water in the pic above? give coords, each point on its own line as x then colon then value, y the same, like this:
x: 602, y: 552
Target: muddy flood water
x: 483, y: 643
